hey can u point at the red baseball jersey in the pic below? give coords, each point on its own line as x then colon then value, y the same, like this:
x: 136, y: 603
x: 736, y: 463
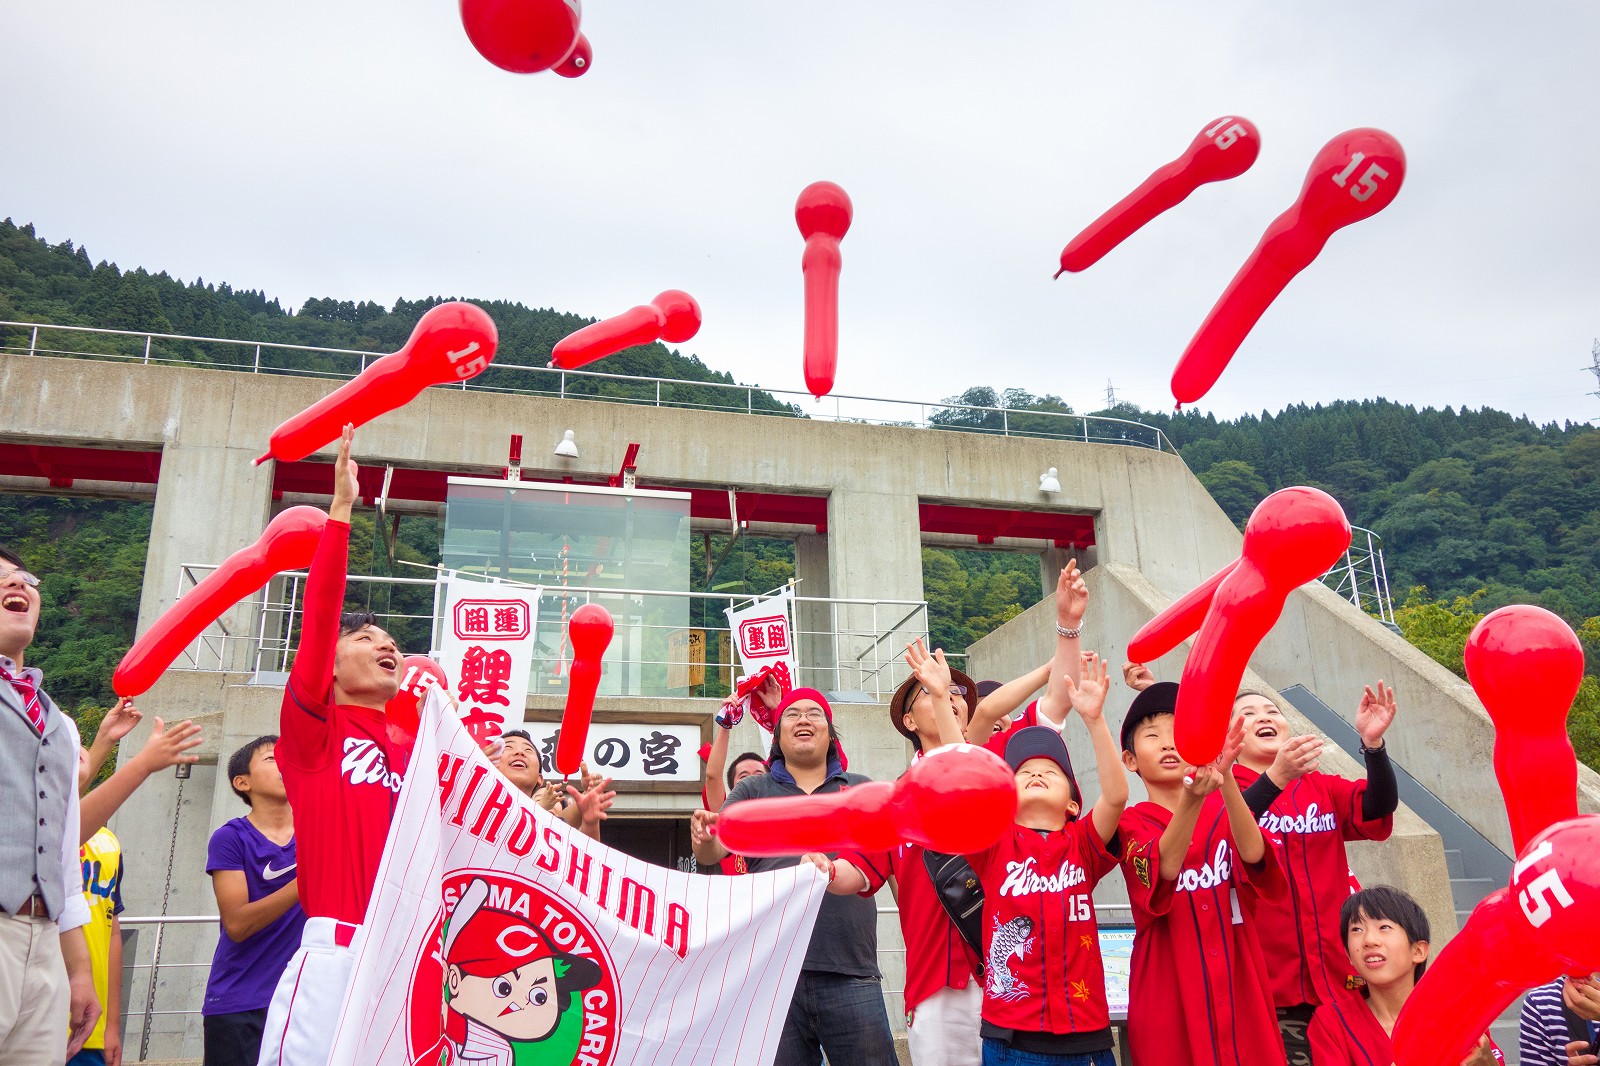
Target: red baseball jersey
x: 1028, y: 717
x: 1354, y: 1038
x: 1303, y: 945
x: 1198, y: 995
x: 936, y: 954
x: 341, y: 770
x: 1040, y: 937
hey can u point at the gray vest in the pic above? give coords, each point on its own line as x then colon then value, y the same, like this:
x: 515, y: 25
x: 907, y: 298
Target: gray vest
x: 36, y: 774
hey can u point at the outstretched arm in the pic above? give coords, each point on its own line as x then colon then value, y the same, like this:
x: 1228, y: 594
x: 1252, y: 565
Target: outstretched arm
x: 716, y: 763
x: 1247, y: 836
x: 1002, y: 702
x: 164, y: 747
x: 934, y: 674
x: 1089, y: 700
x: 1072, y: 599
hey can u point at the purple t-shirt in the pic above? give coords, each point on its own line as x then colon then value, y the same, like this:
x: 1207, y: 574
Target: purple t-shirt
x: 244, y: 974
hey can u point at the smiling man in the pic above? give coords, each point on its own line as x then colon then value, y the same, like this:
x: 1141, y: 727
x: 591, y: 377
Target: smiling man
x: 46, y: 979
x: 342, y: 773
x: 838, y: 1000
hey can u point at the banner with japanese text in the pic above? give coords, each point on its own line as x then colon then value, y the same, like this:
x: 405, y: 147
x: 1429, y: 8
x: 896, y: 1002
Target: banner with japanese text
x: 487, y: 651
x: 499, y: 936
x: 763, y: 635
x: 628, y: 752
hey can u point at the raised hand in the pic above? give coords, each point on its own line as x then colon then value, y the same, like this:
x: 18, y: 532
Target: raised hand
x: 1137, y: 676
x: 593, y: 803
x: 1072, y: 596
x: 1297, y: 757
x: 168, y: 747
x: 346, y: 480
x: 931, y: 670
x: 1232, y: 745
x: 1375, y: 714
x: 1201, y: 781
x: 119, y: 721
x: 702, y: 827
x: 1089, y: 697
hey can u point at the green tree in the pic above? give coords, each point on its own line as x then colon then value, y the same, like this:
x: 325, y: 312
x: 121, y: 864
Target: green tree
x: 1236, y: 487
x: 1439, y: 627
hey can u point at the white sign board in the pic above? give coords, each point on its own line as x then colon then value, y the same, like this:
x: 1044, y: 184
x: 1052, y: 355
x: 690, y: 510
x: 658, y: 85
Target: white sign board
x: 487, y: 652
x: 628, y: 752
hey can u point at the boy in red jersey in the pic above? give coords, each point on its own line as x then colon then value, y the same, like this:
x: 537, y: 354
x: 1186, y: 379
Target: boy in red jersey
x: 1386, y: 939
x: 1309, y: 815
x: 343, y: 775
x: 1196, y: 863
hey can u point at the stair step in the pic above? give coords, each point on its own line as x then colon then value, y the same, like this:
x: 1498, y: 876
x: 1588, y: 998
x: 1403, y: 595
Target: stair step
x: 1468, y: 892
x: 1454, y: 863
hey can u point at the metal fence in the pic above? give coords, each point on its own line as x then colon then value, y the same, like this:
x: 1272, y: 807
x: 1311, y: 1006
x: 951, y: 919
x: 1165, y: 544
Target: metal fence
x: 1361, y: 576
x: 847, y: 645
x: 266, y: 357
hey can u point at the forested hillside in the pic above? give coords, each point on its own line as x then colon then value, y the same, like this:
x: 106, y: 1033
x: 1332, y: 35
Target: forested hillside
x: 1476, y: 508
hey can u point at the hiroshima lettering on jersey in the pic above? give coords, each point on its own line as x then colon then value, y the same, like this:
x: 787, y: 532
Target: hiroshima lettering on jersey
x: 481, y: 804
x: 1023, y: 880
x: 1219, y: 871
x: 364, y: 764
x: 1311, y: 820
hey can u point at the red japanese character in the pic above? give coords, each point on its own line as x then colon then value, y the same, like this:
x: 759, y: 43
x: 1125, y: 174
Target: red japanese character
x: 755, y: 639
x: 778, y: 637
x: 475, y: 619
x: 481, y: 725
x: 507, y: 620
x: 485, y: 676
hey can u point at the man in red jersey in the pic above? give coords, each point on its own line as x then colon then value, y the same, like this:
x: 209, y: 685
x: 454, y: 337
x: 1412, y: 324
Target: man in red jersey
x: 1196, y: 864
x: 1310, y: 815
x: 343, y: 775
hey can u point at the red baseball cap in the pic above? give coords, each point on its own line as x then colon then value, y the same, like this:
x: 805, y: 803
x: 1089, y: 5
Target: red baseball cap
x: 494, y: 941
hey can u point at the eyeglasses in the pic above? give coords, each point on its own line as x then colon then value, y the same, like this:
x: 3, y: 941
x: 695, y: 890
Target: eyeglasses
x: 955, y: 690
x: 27, y: 578
x: 805, y: 716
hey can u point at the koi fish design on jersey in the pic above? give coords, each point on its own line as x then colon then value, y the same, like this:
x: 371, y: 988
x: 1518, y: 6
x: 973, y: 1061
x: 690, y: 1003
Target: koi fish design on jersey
x: 1013, y: 939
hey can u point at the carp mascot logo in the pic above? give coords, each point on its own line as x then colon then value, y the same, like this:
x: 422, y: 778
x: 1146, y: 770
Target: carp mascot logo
x: 522, y: 978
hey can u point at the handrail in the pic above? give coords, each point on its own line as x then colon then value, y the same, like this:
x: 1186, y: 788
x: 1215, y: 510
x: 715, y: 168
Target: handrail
x: 1006, y: 414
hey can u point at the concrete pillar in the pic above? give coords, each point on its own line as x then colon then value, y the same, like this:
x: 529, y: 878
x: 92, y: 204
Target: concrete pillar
x: 874, y: 553
x: 210, y: 502
x: 818, y: 663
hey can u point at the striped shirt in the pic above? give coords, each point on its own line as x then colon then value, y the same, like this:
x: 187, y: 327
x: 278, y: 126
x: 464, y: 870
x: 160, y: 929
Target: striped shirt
x: 1544, y: 1035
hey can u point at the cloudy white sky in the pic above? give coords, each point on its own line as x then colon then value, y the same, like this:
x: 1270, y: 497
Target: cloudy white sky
x: 363, y: 150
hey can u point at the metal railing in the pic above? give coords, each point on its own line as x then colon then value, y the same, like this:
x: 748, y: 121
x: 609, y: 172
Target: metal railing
x: 844, y: 645
x: 268, y: 357
x: 1361, y: 576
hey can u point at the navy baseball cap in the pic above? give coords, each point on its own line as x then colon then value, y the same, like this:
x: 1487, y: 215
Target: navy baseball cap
x: 1041, y: 742
x: 1160, y: 698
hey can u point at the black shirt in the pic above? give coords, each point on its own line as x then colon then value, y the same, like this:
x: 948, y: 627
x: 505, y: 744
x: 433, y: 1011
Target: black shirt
x: 845, y: 938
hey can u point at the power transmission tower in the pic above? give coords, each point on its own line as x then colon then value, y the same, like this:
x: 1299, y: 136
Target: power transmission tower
x: 1594, y: 367
x: 1111, y: 393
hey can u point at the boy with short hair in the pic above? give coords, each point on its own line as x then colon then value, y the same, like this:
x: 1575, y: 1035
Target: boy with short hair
x: 518, y: 762
x: 1196, y: 864
x: 1310, y: 815
x: 1386, y: 940
x: 251, y: 860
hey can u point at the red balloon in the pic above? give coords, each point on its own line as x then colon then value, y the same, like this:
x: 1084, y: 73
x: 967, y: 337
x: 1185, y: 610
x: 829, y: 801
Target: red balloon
x: 1356, y: 175
x: 1526, y: 664
x: 452, y: 342
x: 1519, y: 937
x: 288, y: 543
x: 1293, y: 537
x: 823, y: 214
x: 577, y: 63
x: 419, y: 675
x: 672, y: 316
x: 956, y: 800
x: 1179, y: 622
x: 589, y: 629
x: 522, y: 36
x: 1225, y: 149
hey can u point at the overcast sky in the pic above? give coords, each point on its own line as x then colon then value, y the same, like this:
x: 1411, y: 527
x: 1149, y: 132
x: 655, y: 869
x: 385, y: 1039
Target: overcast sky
x: 363, y: 150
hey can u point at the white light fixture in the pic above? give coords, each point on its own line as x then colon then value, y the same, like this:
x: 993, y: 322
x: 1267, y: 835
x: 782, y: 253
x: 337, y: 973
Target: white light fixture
x: 567, y: 447
x: 1048, y: 482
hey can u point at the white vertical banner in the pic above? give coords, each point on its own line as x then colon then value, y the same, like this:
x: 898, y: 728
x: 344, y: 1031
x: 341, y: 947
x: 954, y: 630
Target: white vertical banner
x: 763, y: 634
x: 498, y: 935
x: 487, y: 651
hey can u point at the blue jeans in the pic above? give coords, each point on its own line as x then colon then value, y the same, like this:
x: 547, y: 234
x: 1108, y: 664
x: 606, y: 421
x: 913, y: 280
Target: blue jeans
x: 842, y: 1016
x: 1000, y: 1053
x: 89, y: 1056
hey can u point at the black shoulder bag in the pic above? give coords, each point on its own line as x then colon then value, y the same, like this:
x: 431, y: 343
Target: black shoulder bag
x: 961, y: 896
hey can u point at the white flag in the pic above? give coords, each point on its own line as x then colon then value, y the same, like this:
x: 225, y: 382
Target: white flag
x: 763, y: 633
x: 499, y: 936
x: 486, y: 650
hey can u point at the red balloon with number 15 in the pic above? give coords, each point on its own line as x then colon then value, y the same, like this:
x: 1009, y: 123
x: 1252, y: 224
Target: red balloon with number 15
x: 1356, y: 175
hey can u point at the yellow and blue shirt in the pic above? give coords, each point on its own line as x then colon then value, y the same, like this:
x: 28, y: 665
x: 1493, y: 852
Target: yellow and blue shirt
x: 102, y: 888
